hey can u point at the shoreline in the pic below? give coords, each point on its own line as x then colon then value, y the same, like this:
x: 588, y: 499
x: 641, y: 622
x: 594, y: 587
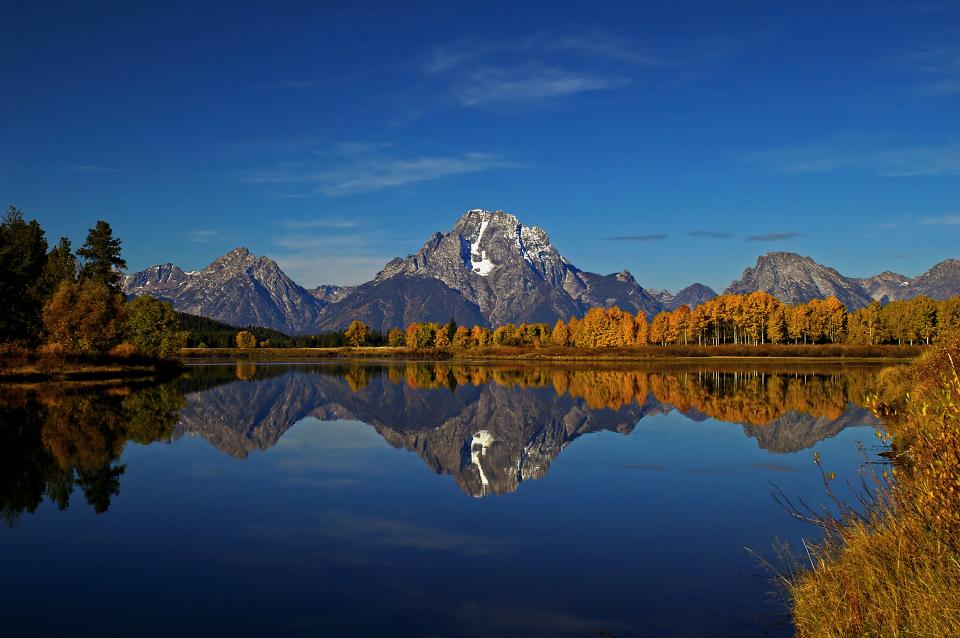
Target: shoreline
x: 89, y: 372
x: 550, y: 353
x: 649, y: 354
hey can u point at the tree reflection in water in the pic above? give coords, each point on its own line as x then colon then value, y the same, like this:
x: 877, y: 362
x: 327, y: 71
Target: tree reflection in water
x: 490, y: 426
x: 52, y: 441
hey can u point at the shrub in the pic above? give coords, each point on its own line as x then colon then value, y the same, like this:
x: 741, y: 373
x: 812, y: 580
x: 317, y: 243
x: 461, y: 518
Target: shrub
x: 246, y: 339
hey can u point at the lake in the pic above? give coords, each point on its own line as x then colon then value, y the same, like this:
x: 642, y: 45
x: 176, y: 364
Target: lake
x: 418, y: 499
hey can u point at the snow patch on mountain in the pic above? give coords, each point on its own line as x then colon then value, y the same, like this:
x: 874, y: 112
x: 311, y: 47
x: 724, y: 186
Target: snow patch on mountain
x: 478, y: 257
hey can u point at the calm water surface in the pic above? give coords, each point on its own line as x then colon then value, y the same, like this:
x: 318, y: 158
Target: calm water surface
x: 420, y: 500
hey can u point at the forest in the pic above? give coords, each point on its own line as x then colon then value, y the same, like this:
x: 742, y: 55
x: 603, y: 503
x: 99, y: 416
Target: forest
x: 62, y: 302
x: 745, y: 320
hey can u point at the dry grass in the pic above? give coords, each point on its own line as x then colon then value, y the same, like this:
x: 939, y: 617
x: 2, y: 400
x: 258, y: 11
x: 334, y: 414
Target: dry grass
x: 894, y: 570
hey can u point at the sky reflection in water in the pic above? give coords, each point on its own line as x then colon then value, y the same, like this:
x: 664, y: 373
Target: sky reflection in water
x: 416, y: 500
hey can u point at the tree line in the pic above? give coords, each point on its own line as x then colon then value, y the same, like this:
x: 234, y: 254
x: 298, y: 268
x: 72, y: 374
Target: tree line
x: 66, y: 302
x: 748, y: 320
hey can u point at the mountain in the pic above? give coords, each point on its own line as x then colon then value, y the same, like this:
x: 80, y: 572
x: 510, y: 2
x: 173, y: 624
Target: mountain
x: 887, y: 286
x: 488, y: 267
x: 795, y: 279
x: 239, y: 289
x: 331, y: 294
x: 940, y: 282
x: 156, y: 281
x: 691, y: 296
x: 398, y: 301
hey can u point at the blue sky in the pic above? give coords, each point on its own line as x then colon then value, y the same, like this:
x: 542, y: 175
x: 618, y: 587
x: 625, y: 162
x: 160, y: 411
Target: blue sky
x: 679, y: 140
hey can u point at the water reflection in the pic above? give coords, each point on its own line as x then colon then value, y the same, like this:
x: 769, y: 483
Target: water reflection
x: 53, y: 441
x: 490, y: 427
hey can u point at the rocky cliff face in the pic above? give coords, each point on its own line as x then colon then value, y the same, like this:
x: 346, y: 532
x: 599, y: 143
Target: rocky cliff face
x: 796, y: 279
x: 494, y: 265
x: 239, y: 289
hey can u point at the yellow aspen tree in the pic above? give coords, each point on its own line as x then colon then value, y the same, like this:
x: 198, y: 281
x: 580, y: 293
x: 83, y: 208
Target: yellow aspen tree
x: 640, y: 330
x: 561, y: 334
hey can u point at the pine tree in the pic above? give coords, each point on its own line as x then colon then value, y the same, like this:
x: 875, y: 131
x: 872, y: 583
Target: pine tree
x: 60, y: 266
x: 23, y: 253
x: 101, y: 256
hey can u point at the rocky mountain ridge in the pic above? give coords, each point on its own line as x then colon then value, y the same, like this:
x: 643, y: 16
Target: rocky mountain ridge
x: 793, y: 279
x: 490, y: 269
x: 238, y: 288
x: 498, y: 269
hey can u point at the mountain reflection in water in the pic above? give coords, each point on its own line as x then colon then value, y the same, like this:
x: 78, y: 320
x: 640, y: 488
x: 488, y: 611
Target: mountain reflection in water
x: 490, y: 427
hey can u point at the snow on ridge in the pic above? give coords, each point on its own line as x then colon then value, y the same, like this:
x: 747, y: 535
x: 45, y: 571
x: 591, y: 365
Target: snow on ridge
x: 483, y: 266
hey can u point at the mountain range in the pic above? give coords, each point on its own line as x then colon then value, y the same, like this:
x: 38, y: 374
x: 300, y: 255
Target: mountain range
x: 489, y: 269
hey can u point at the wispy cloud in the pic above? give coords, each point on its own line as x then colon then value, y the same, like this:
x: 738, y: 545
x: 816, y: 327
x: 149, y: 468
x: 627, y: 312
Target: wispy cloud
x: 532, y: 83
x: 363, y: 172
x: 545, y: 66
x: 710, y: 234
x: 888, y: 162
x: 941, y: 88
x: 320, y: 222
x: 938, y: 69
x: 89, y: 168
x: 378, y: 174
x: 591, y: 44
x: 202, y: 235
x: 656, y: 237
x: 782, y: 236
x: 942, y: 220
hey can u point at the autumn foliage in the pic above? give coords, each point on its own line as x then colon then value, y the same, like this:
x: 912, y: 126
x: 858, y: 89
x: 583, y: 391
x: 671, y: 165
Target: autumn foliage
x: 743, y: 320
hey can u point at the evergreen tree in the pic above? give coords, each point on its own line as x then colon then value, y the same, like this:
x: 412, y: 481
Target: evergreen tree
x: 101, y: 256
x: 23, y: 253
x: 61, y: 266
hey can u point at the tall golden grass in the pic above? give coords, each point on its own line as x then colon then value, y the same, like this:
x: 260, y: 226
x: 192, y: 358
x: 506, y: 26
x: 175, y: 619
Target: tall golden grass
x: 892, y: 567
